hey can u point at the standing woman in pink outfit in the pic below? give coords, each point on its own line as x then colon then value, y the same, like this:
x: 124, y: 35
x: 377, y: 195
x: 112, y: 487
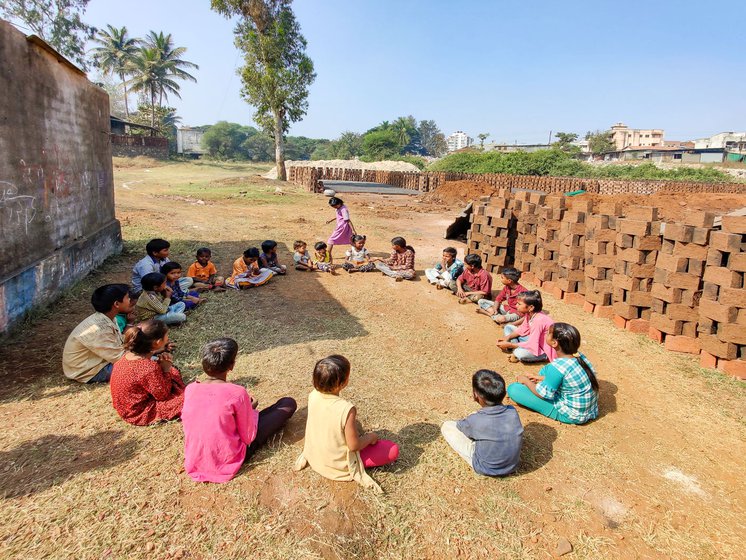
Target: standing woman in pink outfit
x: 344, y: 231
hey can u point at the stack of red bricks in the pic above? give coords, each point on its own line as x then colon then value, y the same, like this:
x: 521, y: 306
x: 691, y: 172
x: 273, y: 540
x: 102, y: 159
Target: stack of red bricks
x: 524, y: 206
x: 677, y: 283
x: 637, y: 244
x: 548, y: 243
x: 490, y: 234
x: 600, y: 258
x: 722, y: 309
x: 571, y: 277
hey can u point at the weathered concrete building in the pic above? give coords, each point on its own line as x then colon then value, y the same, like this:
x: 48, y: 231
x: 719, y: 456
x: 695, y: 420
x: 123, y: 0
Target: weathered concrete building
x: 56, y: 186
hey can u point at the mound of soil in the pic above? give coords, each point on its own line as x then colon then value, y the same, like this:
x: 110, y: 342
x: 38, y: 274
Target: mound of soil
x: 459, y: 192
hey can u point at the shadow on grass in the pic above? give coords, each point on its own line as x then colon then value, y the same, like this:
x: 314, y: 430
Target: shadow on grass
x: 48, y: 461
x: 291, y: 309
x: 538, y: 446
x: 606, y: 397
x: 411, y: 440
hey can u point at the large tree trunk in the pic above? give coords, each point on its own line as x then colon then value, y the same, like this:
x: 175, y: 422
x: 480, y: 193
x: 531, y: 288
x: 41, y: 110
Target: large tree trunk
x: 152, y: 109
x: 279, y: 148
x: 126, y: 107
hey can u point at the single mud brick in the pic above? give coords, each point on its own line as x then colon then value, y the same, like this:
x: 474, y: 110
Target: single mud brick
x: 644, y: 213
x: 640, y: 270
x: 682, y: 344
x: 603, y: 311
x: 723, y: 241
x: 655, y: 334
x: 640, y: 326
x: 701, y: 236
x: 597, y: 221
x: 479, y: 211
x: 695, y: 267
x: 707, y: 360
x: 599, y: 299
x: 723, y: 277
x: 608, y: 235
x: 610, y: 208
x: 632, y: 256
x: 671, y: 263
x: 680, y: 280
x: 681, y: 312
x: 658, y: 306
x: 622, y: 282
x: 574, y: 299
x: 737, y: 262
x: 665, y: 293
x: 665, y: 324
x: 555, y: 201
x: 625, y: 310
x: 678, y: 232
x: 582, y: 205
x: 574, y: 217
x: 588, y: 307
x: 619, y: 321
x: 717, y: 312
x: 735, y: 297
x: 699, y: 219
x: 690, y: 251
x: 537, y: 198
x: 710, y: 291
x: 640, y: 299
x: 736, y: 368
x: 667, y: 246
x: 725, y: 350
x: 634, y: 227
x: 706, y: 326
x: 691, y: 298
x: 732, y: 333
x: 595, y: 272
x: 647, y: 243
x: 734, y: 224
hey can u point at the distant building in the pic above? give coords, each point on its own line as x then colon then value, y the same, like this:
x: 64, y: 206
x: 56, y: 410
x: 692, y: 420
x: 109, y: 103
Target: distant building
x: 458, y: 140
x: 189, y: 141
x: 504, y: 147
x: 730, y: 141
x: 624, y: 137
x: 687, y: 145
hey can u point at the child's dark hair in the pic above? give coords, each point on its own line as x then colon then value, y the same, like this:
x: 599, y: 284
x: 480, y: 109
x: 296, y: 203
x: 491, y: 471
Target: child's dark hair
x: 219, y: 355
x: 512, y: 274
x: 489, y: 385
x: 319, y: 245
x: 451, y: 251
x: 251, y: 253
x: 204, y: 251
x: 331, y: 373
x: 401, y: 242
x: 473, y: 260
x: 170, y: 266
x: 140, y: 338
x: 533, y: 298
x: 357, y: 237
x: 156, y: 246
x: 152, y: 280
x: 104, y: 297
x: 298, y: 243
x: 334, y: 201
x: 268, y: 245
x: 568, y: 339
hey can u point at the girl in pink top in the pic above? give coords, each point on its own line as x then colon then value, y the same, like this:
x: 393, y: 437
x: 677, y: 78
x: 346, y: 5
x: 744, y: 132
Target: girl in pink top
x: 222, y: 428
x: 525, y: 339
x: 342, y: 234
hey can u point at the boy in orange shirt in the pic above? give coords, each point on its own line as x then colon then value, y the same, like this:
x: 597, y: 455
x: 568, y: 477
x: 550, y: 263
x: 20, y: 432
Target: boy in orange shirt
x: 204, y: 273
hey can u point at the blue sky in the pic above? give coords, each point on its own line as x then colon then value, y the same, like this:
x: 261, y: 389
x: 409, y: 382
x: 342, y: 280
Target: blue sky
x: 513, y: 69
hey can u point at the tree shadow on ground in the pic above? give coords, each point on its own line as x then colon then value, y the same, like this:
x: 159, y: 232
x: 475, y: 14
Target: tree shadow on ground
x: 537, y: 450
x: 411, y: 440
x: 48, y: 461
x: 288, y: 310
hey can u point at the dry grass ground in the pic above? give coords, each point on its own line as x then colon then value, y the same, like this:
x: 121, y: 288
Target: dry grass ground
x: 658, y: 475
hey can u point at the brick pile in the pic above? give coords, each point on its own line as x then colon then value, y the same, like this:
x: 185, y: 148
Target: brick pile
x: 722, y: 309
x: 637, y: 244
x: 525, y: 212
x: 548, y: 243
x: 677, y: 282
x: 571, y: 276
x: 490, y: 235
x: 600, y: 258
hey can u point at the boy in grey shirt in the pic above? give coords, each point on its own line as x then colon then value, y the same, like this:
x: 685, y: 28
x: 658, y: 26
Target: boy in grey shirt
x: 490, y: 439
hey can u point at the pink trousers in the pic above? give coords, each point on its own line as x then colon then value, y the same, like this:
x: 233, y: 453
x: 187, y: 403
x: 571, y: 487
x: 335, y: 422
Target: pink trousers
x: 380, y: 453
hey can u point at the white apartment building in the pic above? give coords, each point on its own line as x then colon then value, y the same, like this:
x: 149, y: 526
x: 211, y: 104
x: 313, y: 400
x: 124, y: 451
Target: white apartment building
x: 458, y: 140
x: 624, y: 136
x: 735, y: 141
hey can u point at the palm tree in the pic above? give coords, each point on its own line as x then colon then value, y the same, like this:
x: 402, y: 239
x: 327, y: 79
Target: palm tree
x: 147, y: 74
x: 401, y: 127
x: 173, y: 65
x: 482, y: 137
x: 116, y: 54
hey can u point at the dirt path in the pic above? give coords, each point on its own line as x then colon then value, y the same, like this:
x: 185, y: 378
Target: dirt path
x: 659, y: 475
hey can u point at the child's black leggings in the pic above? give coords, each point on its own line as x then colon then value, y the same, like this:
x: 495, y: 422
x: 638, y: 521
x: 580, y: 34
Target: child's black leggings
x: 271, y: 421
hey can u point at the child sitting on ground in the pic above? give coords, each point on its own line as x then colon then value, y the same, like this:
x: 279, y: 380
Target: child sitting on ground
x: 301, y: 258
x: 246, y: 271
x: 204, y: 273
x: 445, y: 273
x: 503, y: 309
x: 475, y: 283
x: 525, y: 340
x: 322, y: 260
x: 155, y: 301
x: 400, y: 265
x: 333, y: 447
x: 268, y: 258
x: 158, y: 251
x: 357, y: 258
x: 222, y: 428
x: 172, y: 271
x: 490, y: 439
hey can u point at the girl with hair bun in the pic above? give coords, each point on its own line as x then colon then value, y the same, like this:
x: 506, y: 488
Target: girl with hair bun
x: 344, y: 231
x: 144, y: 390
x: 565, y: 390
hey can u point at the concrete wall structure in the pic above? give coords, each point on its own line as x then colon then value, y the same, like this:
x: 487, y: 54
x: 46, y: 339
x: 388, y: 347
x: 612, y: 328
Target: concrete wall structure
x: 732, y: 141
x: 133, y: 146
x: 56, y: 186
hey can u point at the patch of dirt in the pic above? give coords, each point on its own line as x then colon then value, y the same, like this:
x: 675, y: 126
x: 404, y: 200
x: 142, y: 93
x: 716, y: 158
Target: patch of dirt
x: 461, y: 192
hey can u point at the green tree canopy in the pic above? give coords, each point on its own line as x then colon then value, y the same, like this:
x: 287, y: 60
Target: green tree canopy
x: 381, y: 144
x: 224, y: 140
x: 600, y: 142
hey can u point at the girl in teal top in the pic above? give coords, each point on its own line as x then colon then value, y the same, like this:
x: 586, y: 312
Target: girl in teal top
x: 565, y: 389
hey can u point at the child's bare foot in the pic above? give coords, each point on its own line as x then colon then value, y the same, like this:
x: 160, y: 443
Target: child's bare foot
x: 512, y: 359
x: 399, y: 279
x: 463, y: 301
x: 218, y: 289
x: 438, y: 287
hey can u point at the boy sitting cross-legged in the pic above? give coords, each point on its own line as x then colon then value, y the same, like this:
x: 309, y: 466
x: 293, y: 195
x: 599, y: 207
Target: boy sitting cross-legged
x: 503, y: 309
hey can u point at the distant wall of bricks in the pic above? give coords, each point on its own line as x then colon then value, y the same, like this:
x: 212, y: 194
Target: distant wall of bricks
x: 133, y: 146
x: 427, y: 181
x: 680, y: 283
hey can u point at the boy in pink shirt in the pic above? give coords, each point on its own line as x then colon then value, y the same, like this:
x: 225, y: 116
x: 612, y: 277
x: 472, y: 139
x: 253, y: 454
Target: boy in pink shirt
x: 222, y: 428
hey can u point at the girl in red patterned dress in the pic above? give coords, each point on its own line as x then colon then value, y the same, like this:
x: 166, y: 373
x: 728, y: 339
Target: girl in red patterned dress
x: 145, y: 391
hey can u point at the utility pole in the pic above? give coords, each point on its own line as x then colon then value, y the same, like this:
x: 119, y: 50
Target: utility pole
x: 550, y: 138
